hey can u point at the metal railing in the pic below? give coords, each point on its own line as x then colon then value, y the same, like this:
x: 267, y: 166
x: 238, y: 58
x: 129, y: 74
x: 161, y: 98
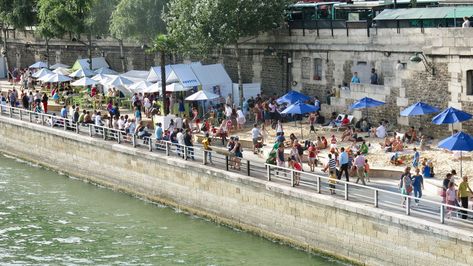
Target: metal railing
x: 378, y: 198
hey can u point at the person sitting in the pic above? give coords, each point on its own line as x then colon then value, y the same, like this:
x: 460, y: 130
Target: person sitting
x: 345, y: 121
x: 324, y: 142
x: 379, y: 132
x: 397, y: 145
x: 364, y: 148
x: 410, y: 135
x: 347, y: 134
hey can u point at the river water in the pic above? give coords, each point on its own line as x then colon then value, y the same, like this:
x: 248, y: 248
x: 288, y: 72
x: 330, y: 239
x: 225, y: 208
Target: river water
x: 46, y: 218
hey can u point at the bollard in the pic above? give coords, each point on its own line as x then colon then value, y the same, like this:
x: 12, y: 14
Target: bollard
x: 65, y: 124
x: 11, y: 112
x: 1, y: 109
x: 119, y: 136
x: 77, y: 128
x: 226, y: 163
x: 21, y: 115
x: 346, y: 191
x: 185, y: 152
x: 318, y: 184
x: 104, y: 131
x: 204, y: 160
x: 30, y: 117
x: 248, y: 168
x: 133, y: 140
x: 42, y: 119
x: 167, y: 148
x: 150, y: 144
x: 376, y: 198
x: 91, y: 130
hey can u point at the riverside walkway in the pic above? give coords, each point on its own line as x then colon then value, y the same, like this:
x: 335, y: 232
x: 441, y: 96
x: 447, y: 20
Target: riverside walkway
x: 377, y: 195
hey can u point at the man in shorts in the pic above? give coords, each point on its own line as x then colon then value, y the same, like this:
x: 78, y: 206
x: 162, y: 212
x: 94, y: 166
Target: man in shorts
x: 255, y: 135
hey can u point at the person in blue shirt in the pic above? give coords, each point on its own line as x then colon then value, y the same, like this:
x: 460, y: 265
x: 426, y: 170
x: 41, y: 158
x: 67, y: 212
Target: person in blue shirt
x: 418, y: 184
x: 344, y: 165
x: 64, y: 111
x: 158, y: 132
x: 425, y: 169
x: 355, y: 78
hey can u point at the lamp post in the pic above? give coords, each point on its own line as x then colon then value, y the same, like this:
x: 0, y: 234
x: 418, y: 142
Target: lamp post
x: 420, y: 57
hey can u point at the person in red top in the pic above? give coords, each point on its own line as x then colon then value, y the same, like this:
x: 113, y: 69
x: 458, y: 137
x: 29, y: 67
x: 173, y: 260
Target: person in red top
x: 324, y: 141
x: 345, y: 121
x: 296, y: 166
x: 313, y: 151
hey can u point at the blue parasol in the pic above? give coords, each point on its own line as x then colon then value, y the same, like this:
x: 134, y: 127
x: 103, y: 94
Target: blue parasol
x: 451, y: 116
x: 458, y: 142
x: 300, y: 108
x: 419, y: 108
x: 293, y: 97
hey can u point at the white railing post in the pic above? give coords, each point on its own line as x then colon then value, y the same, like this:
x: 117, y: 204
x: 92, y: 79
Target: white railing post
x: 375, y: 198
x: 133, y: 140
x: 77, y: 128
x: 91, y: 133
x: 30, y: 116
x: 346, y: 191
x: 119, y: 136
x: 11, y: 111
x: 150, y: 144
x: 292, y: 178
x: 104, y: 131
x: 318, y: 184
x: 21, y: 115
x: 65, y: 123
x: 167, y: 148
x: 442, y: 214
x: 41, y: 116
x: 185, y: 152
x: 1, y: 109
x: 268, y: 172
x: 408, y: 207
x: 204, y: 160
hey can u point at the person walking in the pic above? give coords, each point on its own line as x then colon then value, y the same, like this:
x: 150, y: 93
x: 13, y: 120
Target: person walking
x: 415, y: 160
x: 418, y: 185
x: 451, y: 197
x: 359, y: 163
x: 463, y: 189
x: 189, y: 144
x: 208, y: 150
x: 344, y: 164
x: 332, y: 168
x: 405, y: 185
x: 256, y: 135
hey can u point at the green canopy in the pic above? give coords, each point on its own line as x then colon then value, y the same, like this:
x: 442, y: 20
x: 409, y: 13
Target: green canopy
x: 425, y: 13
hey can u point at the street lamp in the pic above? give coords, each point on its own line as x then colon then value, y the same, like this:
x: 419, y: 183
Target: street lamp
x: 420, y: 57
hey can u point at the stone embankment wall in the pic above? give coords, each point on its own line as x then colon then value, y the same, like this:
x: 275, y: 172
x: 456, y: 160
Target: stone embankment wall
x: 308, y: 220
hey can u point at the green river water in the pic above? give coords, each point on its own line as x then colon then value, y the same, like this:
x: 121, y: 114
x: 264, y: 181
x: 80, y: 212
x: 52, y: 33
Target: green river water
x: 49, y: 219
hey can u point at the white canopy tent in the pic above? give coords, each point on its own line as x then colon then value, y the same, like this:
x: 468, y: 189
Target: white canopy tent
x: 156, y: 87
x: 39, y: 64
x: 202, y: 96
x: 97, y: 62
x: 249, y: 90
x: 59, y: 65
x: 117, y: 81
x: 183, y: 74
x: 41, y: 73
x: 135, y: 75
x: 62, y: 71
x: 214, y: 78
x: 141, y: 86
x: 106, y: 70
x: 80, y: 73
x: 46, y: 77
x: 84, y: 82
x: 154, y: 74
x: 102, y: 77
x: 57, y: 78
x: 175, y: 87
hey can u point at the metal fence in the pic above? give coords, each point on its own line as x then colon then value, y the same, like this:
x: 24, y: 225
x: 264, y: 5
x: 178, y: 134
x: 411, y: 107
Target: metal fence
x: 367, y: 195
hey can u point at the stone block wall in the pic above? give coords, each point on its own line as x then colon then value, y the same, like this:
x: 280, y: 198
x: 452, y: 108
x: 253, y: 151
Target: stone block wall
x: 308, y: 220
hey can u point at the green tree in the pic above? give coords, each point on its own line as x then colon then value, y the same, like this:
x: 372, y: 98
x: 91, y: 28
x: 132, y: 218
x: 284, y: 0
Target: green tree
x: 138, y: 20
x: 15, y: 14
x: 163, y: 45
x: 205, y: 25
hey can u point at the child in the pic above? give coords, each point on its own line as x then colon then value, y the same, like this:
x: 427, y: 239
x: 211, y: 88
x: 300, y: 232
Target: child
x: 312, y: 122
x: 312, y: 156
x: 333, y: 142
x: 431, y: 166
x: 425, y: 169
x: 296, y: 166
x: 451, y: 198
x: 367, y: 171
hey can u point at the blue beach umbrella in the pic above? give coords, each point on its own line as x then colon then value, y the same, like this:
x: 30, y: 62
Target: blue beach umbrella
x: 366, y: 103
x: 451, y: 116
x: 419, y: 108
x: 300, y: 108
x: 292, y: 97
x: 458, y: 142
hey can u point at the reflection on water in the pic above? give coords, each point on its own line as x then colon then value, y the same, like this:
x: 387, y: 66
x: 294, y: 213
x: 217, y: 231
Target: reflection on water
x: 46, y: 218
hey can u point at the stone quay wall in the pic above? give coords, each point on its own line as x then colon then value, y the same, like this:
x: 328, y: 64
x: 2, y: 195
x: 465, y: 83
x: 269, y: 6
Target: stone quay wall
x: 359, y: 233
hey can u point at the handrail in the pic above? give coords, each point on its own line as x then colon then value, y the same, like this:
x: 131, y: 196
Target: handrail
x: 262, y: 168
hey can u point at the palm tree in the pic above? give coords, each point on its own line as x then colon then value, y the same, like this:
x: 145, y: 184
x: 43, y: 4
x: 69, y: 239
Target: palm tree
x: 163, y: 45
